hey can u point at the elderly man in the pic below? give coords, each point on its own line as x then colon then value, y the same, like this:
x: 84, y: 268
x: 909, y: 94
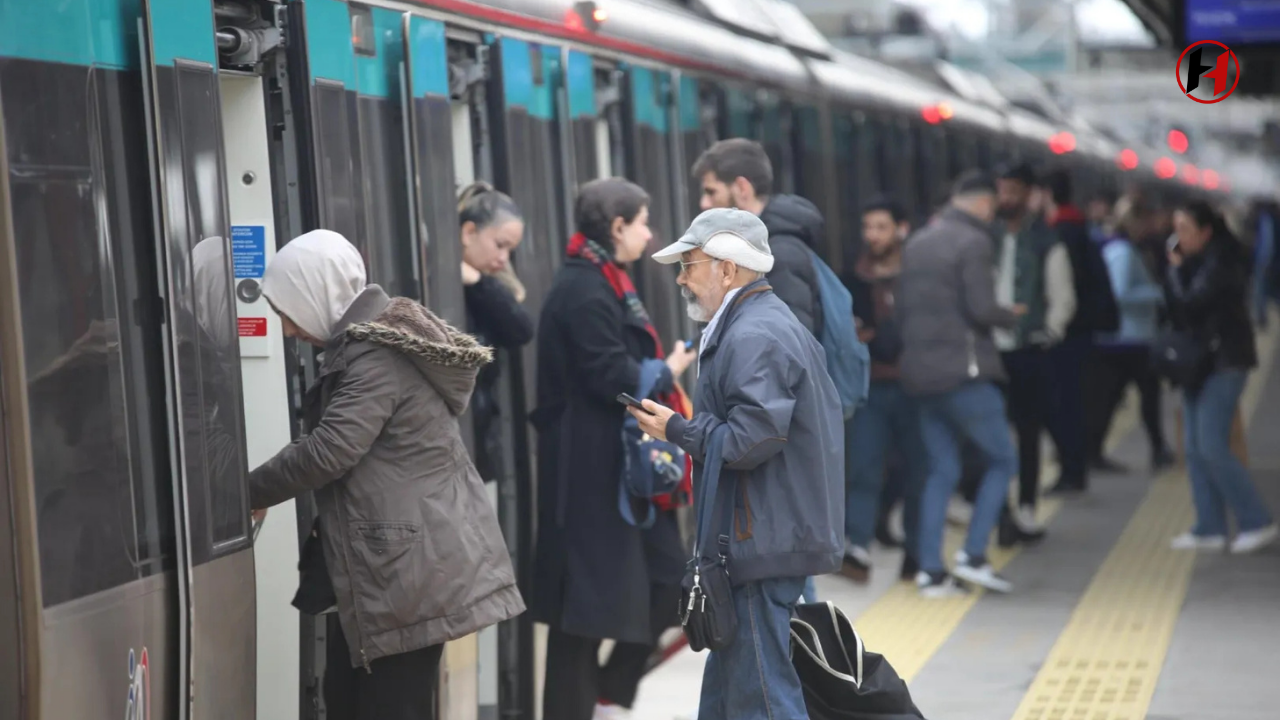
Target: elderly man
x: 765, y: 377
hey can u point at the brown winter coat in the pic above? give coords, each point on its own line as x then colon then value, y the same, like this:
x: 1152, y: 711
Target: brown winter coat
x: 410, y: 538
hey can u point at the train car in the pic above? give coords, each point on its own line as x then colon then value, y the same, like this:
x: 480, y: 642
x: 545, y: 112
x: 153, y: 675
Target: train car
x: 154, y: 154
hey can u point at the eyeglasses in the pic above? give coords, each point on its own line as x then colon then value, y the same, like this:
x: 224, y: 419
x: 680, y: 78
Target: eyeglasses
x: 684, y: 266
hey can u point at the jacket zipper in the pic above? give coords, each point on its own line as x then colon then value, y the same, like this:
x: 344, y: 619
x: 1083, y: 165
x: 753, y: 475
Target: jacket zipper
x: 355, y: 613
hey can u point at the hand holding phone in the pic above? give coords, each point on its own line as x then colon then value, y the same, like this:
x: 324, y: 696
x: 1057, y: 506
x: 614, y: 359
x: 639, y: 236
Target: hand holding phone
x: 629, y: 401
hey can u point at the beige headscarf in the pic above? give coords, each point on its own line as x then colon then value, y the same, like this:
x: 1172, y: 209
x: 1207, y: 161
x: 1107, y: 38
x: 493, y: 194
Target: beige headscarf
x: 313, y: 280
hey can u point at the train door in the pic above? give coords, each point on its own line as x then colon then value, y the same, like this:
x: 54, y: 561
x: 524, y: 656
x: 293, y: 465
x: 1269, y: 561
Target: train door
x: 195, y: 244
x: 528, y: 158
x: 442, y: 158
x: 649, y: 107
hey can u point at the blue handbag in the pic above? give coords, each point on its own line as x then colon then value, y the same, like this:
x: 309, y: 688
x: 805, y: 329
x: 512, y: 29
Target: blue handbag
x: 650, y: 467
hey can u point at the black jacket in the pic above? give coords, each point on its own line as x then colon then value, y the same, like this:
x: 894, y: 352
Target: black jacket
x: 593, y: 573
x: 497, y: 320
x: 1096, y: 309
x: 1206, y: 296
x: 795, y: 224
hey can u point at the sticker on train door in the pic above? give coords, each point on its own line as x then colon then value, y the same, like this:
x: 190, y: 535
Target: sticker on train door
x: 139, y: 701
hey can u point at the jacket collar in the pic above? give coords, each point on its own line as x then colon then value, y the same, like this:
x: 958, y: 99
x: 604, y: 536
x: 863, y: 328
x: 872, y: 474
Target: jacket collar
x: 955, y: 214
x: 369, y: 304
x: 751, y: 290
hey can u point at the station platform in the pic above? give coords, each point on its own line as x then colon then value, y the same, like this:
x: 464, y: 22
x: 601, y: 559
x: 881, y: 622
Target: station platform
x: 1105, y: 621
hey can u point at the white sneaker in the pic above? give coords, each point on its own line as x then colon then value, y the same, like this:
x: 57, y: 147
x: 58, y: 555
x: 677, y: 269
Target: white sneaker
x: 983, y: 574
x: 1254, y: 540
x: 610, y: 712
x: 1026, y: 520
x: 959, y: 512
x: 1191, y: 541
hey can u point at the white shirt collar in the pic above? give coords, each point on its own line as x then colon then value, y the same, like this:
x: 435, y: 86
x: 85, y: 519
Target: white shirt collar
x: 715, y: 320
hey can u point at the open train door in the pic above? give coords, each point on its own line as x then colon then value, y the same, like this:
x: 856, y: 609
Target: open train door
x: 528, y: 161
x: 649, y: 116
x: 217, y: 652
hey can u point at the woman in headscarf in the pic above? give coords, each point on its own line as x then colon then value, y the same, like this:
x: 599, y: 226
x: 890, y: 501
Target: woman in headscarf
x: 491, y: 227
x: 412, y: 556
x: 1205, y: 286
x: 597, y: 575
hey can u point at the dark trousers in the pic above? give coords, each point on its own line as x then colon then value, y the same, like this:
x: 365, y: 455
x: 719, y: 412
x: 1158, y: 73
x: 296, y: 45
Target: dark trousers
x: 1066, y: 419
x: 576, y: 681
x: 1117, y: 368
x: 396, y: 687
x: 1028, y: 400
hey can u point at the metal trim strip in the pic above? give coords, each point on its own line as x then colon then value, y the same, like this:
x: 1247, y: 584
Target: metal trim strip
x: 13, y: 390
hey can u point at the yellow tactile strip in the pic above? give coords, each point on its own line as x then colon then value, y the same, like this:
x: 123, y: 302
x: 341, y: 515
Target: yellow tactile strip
x: 908, y: 629
x: 1108, y: 659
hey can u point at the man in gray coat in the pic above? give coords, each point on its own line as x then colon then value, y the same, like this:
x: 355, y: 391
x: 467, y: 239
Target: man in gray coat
x: 947, y: 310
x: 764, y: 376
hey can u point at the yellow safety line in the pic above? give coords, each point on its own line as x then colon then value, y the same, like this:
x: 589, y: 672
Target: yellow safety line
x: 1107, y: 661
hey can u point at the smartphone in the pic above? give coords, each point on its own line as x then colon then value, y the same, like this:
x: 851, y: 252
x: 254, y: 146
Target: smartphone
x: 1171, y: 245
x: 629, y: 401
x: 690, y: 344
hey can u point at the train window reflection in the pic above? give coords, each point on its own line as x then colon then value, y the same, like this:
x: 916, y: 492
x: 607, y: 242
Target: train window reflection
x: 207, y: 350
x: 84, y: 498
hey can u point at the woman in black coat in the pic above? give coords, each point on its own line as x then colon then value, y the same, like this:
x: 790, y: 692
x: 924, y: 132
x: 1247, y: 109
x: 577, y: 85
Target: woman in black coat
x: 596, y: 576
x: 1205, y: 286
x: 491, y: 227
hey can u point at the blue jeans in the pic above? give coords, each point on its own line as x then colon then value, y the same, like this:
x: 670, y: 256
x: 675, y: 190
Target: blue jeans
x: 1218, y: 479
x: 753, y: 679
x: 810, y: 591
x: 974, y: 411
x: 890, y: 418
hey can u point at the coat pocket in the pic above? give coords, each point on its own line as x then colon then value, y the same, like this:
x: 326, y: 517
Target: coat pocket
x: 391, y: 557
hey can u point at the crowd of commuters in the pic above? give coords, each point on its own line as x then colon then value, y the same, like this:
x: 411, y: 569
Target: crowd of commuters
x: 1008, y: 315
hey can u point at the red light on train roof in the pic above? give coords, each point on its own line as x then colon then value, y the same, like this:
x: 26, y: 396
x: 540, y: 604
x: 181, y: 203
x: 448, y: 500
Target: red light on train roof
x: 1166, y: 168
x: 1190, y: 174
x: 1178, y: 141
x: 585, y: 16
x: 1062, y: 143
x: 945, y: 111
x: 931, y: 115
x: 1210, y: 179
x: 1128, y: 160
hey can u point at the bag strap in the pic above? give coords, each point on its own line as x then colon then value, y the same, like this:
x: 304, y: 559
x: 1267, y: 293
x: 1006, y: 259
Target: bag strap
x: 710, y: 500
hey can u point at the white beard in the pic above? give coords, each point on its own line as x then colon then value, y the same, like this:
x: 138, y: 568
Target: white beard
x: 696, y: 313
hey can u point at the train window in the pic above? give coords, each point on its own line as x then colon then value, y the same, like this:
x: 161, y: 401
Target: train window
x: 363, y: 36
x: 207, y: 354
x: 82, y: 480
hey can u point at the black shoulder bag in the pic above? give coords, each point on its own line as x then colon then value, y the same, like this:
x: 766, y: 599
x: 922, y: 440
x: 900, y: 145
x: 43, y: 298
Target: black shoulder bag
x: 707, y: 612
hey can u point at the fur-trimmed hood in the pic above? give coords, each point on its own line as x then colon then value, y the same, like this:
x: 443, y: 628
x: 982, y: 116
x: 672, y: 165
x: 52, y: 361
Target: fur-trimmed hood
x: 448, y: 358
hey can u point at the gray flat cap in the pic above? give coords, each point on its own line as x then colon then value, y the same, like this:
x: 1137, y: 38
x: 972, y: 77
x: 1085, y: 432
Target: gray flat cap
x: 724, y: 234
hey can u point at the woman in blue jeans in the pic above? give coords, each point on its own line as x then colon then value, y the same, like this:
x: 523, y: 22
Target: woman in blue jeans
x: 1205, y: 286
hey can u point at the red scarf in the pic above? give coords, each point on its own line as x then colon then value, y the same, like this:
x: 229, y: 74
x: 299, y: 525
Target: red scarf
x: 581, y: 247
x: 1066, y: 213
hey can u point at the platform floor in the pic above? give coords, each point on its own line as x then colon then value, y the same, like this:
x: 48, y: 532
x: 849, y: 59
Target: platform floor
x: 1105, y: 623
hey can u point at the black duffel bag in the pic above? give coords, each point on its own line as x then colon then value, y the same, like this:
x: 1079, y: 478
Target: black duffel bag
x: 841, y: 680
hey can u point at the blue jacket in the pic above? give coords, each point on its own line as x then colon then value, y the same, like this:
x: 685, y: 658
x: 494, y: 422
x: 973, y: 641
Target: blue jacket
x: 765, y: 376
x: 1138, y: 296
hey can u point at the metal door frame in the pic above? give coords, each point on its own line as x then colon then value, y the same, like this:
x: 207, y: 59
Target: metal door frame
x: 21, y: 545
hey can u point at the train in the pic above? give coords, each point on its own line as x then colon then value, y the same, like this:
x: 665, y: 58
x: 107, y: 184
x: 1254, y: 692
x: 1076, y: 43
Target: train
x: 154, y: 154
